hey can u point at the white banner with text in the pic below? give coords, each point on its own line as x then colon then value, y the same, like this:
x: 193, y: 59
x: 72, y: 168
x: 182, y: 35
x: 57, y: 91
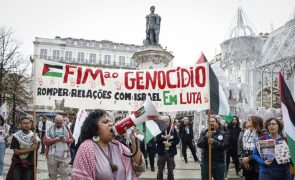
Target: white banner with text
x: 171, y: 89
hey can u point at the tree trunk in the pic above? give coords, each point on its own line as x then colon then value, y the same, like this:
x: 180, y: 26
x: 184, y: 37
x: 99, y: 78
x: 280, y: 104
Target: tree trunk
x: 1, y: 89
x: 13, y: 109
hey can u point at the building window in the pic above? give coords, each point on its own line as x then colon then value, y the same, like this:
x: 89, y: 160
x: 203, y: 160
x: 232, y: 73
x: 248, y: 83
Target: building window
x: 93, y: 44
x: 121, y: 60
x: 81, y: 42
x: 43, y: 54
x: 56, y: 55
x: 132, y: 63
x: 107, y: 59
x: 80, y: 57
x: 68, y: 56
x: 107, y: 46
x: 92, y: 58
x: 121, y: 47
x: 70, y: 41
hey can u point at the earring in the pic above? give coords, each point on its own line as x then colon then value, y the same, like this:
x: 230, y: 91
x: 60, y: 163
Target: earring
x: 95, y: 138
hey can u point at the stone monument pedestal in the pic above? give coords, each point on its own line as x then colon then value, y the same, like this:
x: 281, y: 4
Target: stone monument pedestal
x: 152, y: 57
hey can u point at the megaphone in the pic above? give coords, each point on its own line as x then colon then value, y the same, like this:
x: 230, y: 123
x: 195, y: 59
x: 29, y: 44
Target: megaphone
x: 146, y: 112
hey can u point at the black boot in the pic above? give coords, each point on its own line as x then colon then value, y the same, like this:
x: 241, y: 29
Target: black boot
x: 196, y: 159
x: 152, y: 168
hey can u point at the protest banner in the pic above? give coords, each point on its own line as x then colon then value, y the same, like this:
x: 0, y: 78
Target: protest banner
x: 171, y: 89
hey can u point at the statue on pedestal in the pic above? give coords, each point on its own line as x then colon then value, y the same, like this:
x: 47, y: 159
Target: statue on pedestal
x: 153, y: 22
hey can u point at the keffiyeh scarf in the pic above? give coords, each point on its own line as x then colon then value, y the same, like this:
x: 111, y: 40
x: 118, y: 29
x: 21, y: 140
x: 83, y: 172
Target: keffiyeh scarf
x: 249, y: 139
x: 24, y: 139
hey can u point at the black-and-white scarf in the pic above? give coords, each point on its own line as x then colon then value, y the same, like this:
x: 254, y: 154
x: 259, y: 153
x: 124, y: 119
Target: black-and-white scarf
x: 24, y: 139
x: 249, y: 139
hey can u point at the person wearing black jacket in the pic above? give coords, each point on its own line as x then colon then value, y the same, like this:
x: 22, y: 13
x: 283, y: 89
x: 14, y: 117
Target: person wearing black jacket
x: 219, y: 142
x: 149, y: 151
x: 166, y: 149
x: 234, y: 130
x: 187, y: 136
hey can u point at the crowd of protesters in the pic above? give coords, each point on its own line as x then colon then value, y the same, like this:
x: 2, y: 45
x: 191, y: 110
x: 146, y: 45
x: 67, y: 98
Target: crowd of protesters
x: 101, y: 155
x: 244, y: 145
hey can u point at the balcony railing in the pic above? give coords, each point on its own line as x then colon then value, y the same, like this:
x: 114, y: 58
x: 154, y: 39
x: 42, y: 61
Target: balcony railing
x: 115, y: 64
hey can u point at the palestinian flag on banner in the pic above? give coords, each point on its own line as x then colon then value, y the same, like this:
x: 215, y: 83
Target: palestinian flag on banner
x: 218, y: 101
x: 52, y: 70
x: 288, y: 112
x: 151, y: 129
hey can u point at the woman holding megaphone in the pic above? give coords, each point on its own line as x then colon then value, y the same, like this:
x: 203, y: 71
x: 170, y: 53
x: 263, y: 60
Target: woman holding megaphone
x: 100, y: 156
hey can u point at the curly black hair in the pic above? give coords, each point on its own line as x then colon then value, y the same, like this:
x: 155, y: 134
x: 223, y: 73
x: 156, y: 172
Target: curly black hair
x: 231, y: 123
x: 90, y: 127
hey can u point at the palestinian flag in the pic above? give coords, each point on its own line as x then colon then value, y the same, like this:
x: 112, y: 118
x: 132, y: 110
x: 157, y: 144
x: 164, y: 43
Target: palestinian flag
x: 52, y: 70
x: 218, y: 101
x: 288, y: 112
x: 151, y: 129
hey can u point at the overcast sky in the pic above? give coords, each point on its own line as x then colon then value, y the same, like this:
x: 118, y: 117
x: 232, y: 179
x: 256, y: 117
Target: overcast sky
x: 187, y: 27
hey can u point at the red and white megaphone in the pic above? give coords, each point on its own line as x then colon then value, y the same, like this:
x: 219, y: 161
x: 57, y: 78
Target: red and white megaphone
x: 146, y: 112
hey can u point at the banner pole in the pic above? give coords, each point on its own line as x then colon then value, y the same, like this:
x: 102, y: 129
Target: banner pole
x: 35, y: 151
x: 209, y: 146
x: 34, y: 116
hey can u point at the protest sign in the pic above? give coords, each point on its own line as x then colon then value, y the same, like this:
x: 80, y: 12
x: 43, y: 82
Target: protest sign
x: 172, y: 89
x: 266, y: 149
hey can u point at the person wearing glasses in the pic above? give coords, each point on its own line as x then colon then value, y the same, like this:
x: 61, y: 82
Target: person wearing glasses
x: 274, y: 157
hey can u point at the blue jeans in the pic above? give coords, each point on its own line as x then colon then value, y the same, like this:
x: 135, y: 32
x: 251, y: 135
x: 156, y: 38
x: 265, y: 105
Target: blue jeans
x: 218, y: 170
x: 275, y: 174
x: 2, y: 153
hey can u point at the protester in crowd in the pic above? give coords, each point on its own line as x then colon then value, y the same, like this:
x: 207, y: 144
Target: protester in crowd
x: 33, y: 128
x: 219, y: 142
x: 100, y: 156
x: 72, y: 146
x: 279, y: 167
x: 4, y: 133
x: 42, y: 126
x: 58, y: 138
x: 224, y: 125
x: 149, y: 150
x: 234, y: 130
x: 166, y: 149
x: 180, y: 124
x: 23, y: 145
x: 250, y: 137
x: 245, y: 126
x: 67, y: 122
x: 187, y: 137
